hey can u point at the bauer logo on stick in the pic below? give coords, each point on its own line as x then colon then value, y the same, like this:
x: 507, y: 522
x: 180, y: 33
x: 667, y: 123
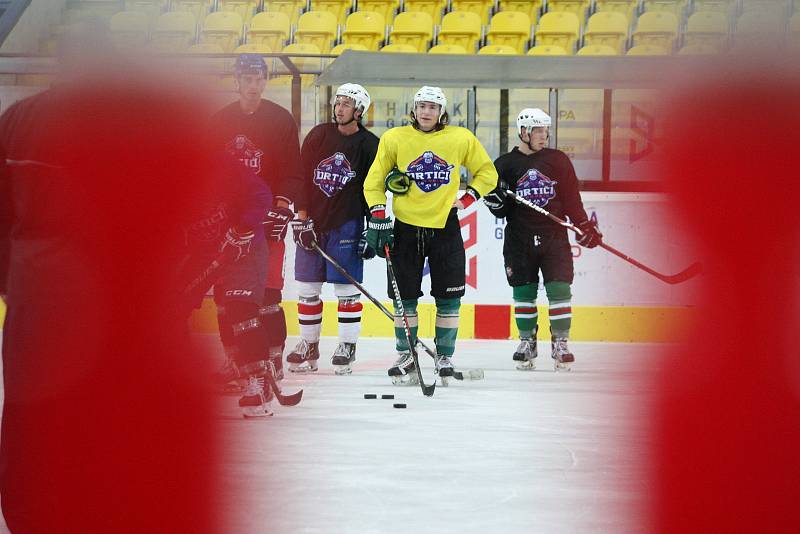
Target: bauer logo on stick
x: 536, y: 187
x: 429, y: 172
x: 333, y: 173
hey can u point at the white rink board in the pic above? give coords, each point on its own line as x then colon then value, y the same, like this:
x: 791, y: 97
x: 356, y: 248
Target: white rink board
x: 634, y: 223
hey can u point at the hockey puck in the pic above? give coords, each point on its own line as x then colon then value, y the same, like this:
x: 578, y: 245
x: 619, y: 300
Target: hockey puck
x: 370, y: 396
x: 385, y: 396
x: 399, y: 405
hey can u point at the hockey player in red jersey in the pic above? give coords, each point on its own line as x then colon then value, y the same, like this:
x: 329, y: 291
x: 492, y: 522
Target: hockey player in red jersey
x: 263, y: 136
x: 534, y: 243
x: 336, y: 158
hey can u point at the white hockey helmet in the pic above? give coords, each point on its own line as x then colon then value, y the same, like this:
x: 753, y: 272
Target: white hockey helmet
x: 532, y: 118
x: 431, y: 94
x: 359, y: 95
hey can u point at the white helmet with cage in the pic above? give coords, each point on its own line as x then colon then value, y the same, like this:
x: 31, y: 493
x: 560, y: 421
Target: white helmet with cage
x: 359, y: 95
x: 432, y: 94
x: 532, y: 118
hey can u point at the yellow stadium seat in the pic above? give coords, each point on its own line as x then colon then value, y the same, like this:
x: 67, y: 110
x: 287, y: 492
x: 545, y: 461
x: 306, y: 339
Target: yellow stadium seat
x: 707, y: 28
x: 414, y: 28
x: 101, y: 10
x: 291, y: 8
x: 648, y: 50
x: 779, y: 7
x: 577, y: 7
x: 657, y: 28
x: 529, y: 7
x: 245, y: 8
x: 547, y: 50
x: 626, y: 7
x: 434, y: 8
x: 510, y: 28
x: 253, y: 48
x: 698, y: 49
x: 400, y: 48
x: 270, y: 28
x: 317, y: 28
x: 223, y: 28
x: 174, y: 32
x: 608, y: 28
x: 448, y: 49
x: 462, y: 28
x: 339, y: 8
x: 757, y: 24
x: 498, y: 50
x: 366, y: 28
x: 338, y: 49
x: 726, y: 7
x: 482, y: 8
x: 205, y: 48
x: 385, y: 8
x: 302, y: 63
x: 129, y: 29
x: 151, y: 8
x: 558, y: 28
x: 597, y: 50
x: 198, y: 8
x: 676, y: 7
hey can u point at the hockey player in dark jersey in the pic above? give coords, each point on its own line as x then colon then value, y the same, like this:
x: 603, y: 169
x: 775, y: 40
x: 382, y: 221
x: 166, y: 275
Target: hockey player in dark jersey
x: 533, y: 242
x: 336, y: 158
x: 263, y: 136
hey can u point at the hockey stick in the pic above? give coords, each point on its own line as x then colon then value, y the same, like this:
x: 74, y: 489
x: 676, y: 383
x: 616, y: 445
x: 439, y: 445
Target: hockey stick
x: 283, y: 400
x: 690, y: 272
x: 267, y: 369
x: 426, y: 390
x: 471, y: 374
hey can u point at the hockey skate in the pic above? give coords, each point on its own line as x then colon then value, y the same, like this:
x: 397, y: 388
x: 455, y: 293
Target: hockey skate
x: 257, y: 399
x: 229, y: 378
x: 277, y: 365
x: 525, y: 355
x: 444, y: 368
x: 343, y: 357
x: 403, y: 372
x: 304, y: 358
x: 562, y: 357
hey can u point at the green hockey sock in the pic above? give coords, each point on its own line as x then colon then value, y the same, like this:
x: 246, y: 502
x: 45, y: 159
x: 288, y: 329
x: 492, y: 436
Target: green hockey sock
x: 447, y: 311
x: 525, y: 312
x: 410, y: 307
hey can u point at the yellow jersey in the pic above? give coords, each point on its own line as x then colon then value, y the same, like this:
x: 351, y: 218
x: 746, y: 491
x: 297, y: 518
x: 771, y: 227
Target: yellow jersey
x: 433, y: 162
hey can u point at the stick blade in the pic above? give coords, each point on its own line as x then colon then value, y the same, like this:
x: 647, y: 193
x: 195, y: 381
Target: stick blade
x: 428, y: 390
x: 686, y: 274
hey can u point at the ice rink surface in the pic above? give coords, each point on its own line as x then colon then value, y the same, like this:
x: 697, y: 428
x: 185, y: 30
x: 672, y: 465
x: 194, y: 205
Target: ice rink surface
x: 516, y: 452
x: 534, y: 451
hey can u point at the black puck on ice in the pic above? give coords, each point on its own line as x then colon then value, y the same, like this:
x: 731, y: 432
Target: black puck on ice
x: 370, y: 396
x: 399, y: 404
x: 387, y: 396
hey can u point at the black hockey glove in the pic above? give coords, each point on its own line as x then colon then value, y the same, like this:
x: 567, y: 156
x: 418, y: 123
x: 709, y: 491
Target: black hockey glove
x: 496, y: 200
x: 364, y: 250
x: 591, y: 235
x: 276, y: 223
x: 236, y: 243
x: 380, y: 230
x: 304, y: 234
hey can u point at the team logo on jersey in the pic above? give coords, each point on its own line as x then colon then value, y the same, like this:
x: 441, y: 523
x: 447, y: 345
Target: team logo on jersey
x: 333, y: 173
x: 429, y: 172
x: 209, y: 226
x: 536, y: 187
x: 246, y: 151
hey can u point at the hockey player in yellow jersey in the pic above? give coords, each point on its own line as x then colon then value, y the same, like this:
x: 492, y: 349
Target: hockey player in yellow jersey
x: 421, y: 164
